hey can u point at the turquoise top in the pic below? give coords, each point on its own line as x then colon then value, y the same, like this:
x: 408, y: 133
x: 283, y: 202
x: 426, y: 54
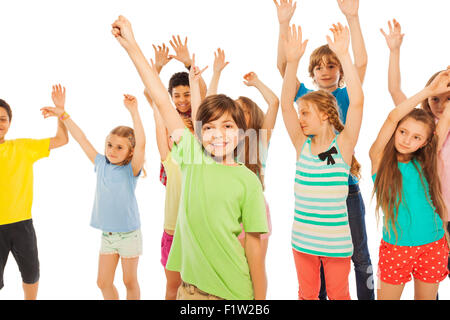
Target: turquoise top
x: 417, y: 222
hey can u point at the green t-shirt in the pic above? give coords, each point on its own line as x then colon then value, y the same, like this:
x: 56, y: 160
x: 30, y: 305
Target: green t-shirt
x: 215, y: 200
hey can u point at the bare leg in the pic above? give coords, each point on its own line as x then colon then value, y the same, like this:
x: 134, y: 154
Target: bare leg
x: 30, y: 290
x: 173, y: 283
x: 105, y: 280
x: 129, y: 268
x: 425, y: 291
x: 390, y: 291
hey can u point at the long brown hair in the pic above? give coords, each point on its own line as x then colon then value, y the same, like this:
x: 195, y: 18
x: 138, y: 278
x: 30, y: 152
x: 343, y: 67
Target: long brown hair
x: 252, y: 158
x: 326, y: 102
x: 388, y: 182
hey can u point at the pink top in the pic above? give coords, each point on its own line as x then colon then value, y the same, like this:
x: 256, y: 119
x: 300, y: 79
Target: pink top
x: 444, y: 169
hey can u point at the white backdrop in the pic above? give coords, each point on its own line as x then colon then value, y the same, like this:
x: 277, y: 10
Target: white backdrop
x: 69, y: 42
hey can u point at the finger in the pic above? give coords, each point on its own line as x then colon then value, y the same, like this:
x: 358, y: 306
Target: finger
x: 276, y: 3
x: 384, y: 34
x: 185, y: 41
x: 390, y: 27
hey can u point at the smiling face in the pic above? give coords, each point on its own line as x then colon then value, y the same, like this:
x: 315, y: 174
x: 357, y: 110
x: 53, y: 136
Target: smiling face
x: 4, y: 124
x: 220, y: 137
x: 411, y: 135
x: 327, y: 75
x: 117, y: 149
x: 181, y: 96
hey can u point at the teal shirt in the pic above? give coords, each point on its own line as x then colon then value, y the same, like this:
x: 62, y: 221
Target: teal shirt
x: 417, y: 222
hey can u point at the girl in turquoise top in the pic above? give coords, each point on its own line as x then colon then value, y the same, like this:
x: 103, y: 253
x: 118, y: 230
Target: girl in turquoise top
x: 408, y: 190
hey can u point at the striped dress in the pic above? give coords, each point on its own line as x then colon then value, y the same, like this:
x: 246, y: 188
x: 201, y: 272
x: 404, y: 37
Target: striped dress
x: 321, y: 225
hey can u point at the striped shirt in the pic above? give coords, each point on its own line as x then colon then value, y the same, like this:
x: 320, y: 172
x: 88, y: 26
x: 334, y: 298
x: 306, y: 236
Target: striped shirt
x: 321, y: 225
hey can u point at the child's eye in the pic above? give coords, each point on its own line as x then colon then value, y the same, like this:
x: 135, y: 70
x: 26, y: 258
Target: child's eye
x: 435, y: 99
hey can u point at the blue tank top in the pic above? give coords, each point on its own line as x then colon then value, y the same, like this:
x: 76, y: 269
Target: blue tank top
x: 417, y: 221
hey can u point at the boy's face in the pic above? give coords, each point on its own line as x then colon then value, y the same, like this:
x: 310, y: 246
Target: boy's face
x: 327, y: 75
x: 181, y: 96
x: 4, y: 123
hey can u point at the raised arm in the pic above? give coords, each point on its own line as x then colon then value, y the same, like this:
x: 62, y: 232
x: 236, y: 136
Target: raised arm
x: 195, y: 75
x: 161, y: 132
x: 182, y: 55
x: 439, y: 85
x: 161, y: 57
x: 74, y: 130
x: 394, y: 41
x: 59, y: 99
x: 443, y: 127
x: 285, y: 11
x: 294, y: 48
x: 270, y: 118
x: 349, y: 136
x: 124, y: 34
x: 219, y: 65
x: 137, y: 162
x: 350, y: 9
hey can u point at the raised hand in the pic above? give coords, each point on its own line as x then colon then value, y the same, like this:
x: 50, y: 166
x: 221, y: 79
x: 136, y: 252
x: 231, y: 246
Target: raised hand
x: 181, y: 51
x: 294, y: 47
x: 121, y: 29
x: 219, y: 61
x: 440, y: 84
x: 195, y: 73
x: 395, y: 37
x: 130, y: 102
x: 251, y: 79
x: 341, y: 40
x: 285, y: 10
x: 349, y: 7
x: 59, y: 96
x: 161, y: 56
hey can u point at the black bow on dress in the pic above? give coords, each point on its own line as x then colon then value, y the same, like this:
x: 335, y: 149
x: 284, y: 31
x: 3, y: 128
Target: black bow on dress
x: 328, y: 155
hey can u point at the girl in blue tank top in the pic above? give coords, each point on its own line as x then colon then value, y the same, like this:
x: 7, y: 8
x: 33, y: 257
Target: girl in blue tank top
x: 408, y: 190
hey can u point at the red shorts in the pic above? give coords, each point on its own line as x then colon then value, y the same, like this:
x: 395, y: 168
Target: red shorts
x: 427, y: 263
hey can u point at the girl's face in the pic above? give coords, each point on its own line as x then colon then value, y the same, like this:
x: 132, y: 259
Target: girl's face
x: 310, y: 118
x: 117, y: 149
x: 4, y: 123
x: 181, y: 96
x: 220, y: 137
x: 439, y: 103
x: 327, y: 75
x: 410, y: 136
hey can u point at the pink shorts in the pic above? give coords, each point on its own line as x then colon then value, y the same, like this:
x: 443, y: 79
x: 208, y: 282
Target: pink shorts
x: 427, y: 263
x: 269, y: 224
x: 166, y: 244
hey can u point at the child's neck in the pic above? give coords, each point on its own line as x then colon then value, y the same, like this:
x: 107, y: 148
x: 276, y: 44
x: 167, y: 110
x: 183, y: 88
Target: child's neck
x: 404, y: 158
x: 2, y: 140
x: 329, y: 89
x: 323, y: 139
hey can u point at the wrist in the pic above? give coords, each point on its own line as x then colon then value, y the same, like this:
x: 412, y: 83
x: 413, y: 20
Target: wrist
x: 64, y: 116
x: 352, y: 17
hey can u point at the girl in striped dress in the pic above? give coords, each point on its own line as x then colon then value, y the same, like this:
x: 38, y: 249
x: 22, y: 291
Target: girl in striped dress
x: 321, y: 232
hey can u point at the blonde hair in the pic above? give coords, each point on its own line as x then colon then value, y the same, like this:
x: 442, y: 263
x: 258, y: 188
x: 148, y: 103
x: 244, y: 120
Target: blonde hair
x: 324, y: 54
x: 326, y: 102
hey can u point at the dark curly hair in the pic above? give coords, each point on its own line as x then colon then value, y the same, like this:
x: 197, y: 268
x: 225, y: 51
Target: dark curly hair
x: 178, y: 79
x: 6, y: 106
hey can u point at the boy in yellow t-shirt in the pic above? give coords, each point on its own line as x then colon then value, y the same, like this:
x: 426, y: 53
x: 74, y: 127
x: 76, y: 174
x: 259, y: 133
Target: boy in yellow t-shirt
x: 16, y: 194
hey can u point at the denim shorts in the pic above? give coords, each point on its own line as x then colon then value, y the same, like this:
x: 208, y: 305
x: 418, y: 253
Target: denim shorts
x: 125, y: 244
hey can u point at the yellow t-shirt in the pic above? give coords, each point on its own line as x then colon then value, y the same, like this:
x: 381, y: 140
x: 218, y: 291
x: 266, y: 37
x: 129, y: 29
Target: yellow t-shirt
x: 173, y: 192
x: 16, y: 177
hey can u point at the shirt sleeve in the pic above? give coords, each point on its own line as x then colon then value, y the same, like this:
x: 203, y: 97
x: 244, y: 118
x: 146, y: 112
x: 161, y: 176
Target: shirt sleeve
x: 37, y: 149
x: 188, y: 150
x: 343, y: 103
x: 254, y: 218
x: 301, y: 92
x: 100, y: 160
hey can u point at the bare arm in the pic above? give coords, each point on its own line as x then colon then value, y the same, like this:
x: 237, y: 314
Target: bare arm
x: 442, y: 128
x: 138, y: 159
x: 438, y: 86
x: 394, y: 41
x: 161, y: 132
x: 350, y: 9
x: 294, y: 48
x: 219, y: 65
x: 349, y: 136
x: 255, y: 258
x: 285, y: 11
x: 270, y: 118
x: 195, y: 87
x: 62, y: 137
x: 123, y: 32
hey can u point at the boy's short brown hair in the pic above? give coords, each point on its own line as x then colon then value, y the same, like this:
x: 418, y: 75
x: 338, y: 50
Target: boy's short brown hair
x: 324, y: 54
x: 6, y: 106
